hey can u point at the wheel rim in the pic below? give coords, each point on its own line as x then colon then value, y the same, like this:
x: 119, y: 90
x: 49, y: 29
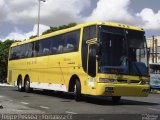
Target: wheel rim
x: 75, y: 91
x: 19, y: 85
x: 27, y: 84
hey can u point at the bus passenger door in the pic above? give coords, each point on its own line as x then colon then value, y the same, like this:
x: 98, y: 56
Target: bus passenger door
x: 91, y: 60
x: 91, y: 68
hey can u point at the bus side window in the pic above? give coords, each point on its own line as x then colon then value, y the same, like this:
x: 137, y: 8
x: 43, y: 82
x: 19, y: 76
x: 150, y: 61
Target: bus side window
x: 36, y: 49
x: 45, y: 51
x: 45, y: 47
x: 30, y: 49
x: 68, y: 40
x: 17, y: 52
x: 60, y: 49
x: 40, y: 51
x: 72, y: 41
x: 53, y: 46
x: 23, y: 51
x: 12, y: 53
x: 57, y: 44
x: 53, y: 50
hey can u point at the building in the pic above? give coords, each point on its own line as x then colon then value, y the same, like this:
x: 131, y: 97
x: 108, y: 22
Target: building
x: 153, y: 44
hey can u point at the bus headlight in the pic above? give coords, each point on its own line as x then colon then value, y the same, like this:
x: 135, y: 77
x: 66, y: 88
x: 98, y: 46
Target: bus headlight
x: 146, y: 90
x: 106, y: 80
x: 144, y: 82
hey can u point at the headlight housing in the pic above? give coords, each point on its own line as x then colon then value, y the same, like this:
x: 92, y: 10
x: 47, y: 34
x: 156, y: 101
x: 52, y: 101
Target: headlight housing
x: 144, y: 82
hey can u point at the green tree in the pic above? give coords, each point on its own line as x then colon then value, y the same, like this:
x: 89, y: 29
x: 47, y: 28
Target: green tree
x: 53, y: 29
x: 4, y: 51
x: 33, y: 36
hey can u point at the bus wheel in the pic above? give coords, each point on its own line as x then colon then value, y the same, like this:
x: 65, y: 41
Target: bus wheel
x: 27, y: 85
x: 19, y: 84
x: 77, y: 91
x: 116, y: 99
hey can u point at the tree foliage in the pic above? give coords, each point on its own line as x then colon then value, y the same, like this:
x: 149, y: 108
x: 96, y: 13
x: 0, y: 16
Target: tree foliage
x: 53, y: 29
x: 33, y: 36
x: 4, y: 51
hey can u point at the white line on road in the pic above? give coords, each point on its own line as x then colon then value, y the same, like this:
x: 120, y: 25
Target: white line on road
x: 25, y: 103
x: 70, y: 112
x: 44, y: 107
x: 1, y: 96
x: 5, y: 84
x: 154, y: 109
x: 9, y: 100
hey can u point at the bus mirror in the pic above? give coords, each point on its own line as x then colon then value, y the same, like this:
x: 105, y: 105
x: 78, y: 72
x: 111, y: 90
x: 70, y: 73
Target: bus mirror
x: 92, y: 61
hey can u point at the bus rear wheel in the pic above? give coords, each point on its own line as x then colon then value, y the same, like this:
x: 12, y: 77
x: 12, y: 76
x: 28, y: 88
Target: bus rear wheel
x: 27, y: 85
x: 19, y: 84
x: 77, y: 91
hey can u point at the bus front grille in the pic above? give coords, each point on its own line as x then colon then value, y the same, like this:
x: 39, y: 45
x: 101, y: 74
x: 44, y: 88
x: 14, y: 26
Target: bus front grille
x: 128, y: 81
x: 122, y: 81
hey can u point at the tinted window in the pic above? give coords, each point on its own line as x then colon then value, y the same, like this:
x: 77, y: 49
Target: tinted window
x: 11, y: 56
x: 88, y: 33
x: 56, y: 44
x: 15, y: 52
x: 71, y: 41
x: 42, y: 47
x: 63, y: 43
x: 29, y: 50
x: 23, y: 50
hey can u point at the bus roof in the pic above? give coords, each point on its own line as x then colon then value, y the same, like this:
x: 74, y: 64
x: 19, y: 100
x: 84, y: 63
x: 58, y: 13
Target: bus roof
x: 77, y: 27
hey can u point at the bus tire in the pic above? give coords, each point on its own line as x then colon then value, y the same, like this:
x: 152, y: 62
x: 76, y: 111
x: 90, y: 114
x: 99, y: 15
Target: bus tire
x: 19, y: 84
x: 77, y: 91
x: 116, y: 99
x: 27, y: 85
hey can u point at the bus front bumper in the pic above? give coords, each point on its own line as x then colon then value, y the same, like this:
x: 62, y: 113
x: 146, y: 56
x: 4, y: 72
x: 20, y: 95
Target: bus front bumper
x: 110, y: 89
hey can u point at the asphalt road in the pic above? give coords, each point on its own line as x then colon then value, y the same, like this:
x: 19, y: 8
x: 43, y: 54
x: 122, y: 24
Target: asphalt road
x: 51, y: 102
x: 93, y: 108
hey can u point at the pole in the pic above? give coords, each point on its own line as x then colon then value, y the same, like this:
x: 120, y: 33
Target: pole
x: 153, y: 49
x: 38, y: 17
x: 156, y: 50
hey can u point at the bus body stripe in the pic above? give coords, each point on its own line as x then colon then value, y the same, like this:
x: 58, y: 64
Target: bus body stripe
x: 48, y: 86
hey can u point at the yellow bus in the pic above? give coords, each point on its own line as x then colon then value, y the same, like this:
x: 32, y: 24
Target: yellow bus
x: 96, y: 58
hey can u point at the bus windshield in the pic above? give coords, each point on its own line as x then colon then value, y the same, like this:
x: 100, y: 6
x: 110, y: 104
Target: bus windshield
x: 123, y: 51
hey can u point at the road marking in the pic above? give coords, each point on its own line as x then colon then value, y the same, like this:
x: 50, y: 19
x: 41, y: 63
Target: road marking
x: 1, y: 96
x: 25, y: 103
x: 44, y: 107
x: 5, y: 85
x: 9, y: 100
x: 154, y: 109
x: 70, y: 112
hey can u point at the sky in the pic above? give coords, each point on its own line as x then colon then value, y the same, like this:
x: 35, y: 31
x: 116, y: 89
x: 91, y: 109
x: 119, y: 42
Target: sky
x: 18, y: 18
